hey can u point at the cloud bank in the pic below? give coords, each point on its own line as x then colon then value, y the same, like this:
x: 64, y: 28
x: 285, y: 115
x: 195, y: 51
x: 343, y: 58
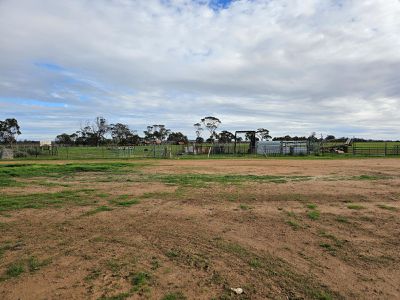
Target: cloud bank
x: 292, y: 66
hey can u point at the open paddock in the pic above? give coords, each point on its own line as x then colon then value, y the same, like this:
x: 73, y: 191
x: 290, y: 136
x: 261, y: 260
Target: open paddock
x: 194, y: 229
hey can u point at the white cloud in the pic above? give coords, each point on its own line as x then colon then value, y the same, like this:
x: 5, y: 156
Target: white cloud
x: 291, y: 66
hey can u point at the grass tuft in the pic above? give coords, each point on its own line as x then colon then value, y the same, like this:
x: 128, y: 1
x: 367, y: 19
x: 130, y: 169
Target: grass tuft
x: 313, y: 215
x: 355, y: 206
x: 174, y: 296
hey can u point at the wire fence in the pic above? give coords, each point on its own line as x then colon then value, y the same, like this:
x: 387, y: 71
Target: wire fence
x: 284, y: 148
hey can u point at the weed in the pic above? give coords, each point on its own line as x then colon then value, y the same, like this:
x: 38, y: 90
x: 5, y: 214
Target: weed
x: 103, y: 195
x: 255, y: 263
x: 342, y: 219
x: 338, y: 243
x: 172, y: 253
x: 293, y: 224
x: 98, y: 210
x: 93, y: 275
x: 15, y: 269
x: 327, y: 246
x: 387, y: 207
x: 322, y: 295
x: 155, y: 264
x: 371, y: 177
x: 311, y: 206
x: 313, y: 214
x: 174, y: 296
x: 244, y: 207
x: 121, y: 296
x: 355, y: 206
x: 113, y: 265
x: 125, y: 203
x: 35, y: 264
x: 140, y: 282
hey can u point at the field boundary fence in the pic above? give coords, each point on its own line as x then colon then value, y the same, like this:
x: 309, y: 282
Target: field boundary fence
x: 273, y: 149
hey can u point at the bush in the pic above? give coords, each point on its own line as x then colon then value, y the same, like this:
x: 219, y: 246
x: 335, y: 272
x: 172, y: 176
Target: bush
x: 33, y: 151
x: 19, y: 154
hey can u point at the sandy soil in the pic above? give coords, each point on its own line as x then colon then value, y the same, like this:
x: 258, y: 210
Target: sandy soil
x: 201, y: 241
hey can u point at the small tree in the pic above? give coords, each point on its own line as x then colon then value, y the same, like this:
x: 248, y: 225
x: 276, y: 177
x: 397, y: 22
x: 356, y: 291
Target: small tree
x: 211, y: 123
x: 9, y: 128
x: 330, y: 137
x: 100, y: 128
x: 121, y: 134
x: 177, y: 137
x: 64, y: 139
x: 154, y: 132
x: 263, y: 134
x: 148, y: 134
x: 226, y: 137
x: 198, y: 131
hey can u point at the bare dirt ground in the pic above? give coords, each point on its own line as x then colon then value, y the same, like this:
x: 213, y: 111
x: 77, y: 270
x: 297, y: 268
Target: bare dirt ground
x: 181, y: 229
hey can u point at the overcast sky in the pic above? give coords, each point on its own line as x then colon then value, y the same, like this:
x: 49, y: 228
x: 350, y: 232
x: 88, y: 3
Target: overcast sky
x: 292, y: 66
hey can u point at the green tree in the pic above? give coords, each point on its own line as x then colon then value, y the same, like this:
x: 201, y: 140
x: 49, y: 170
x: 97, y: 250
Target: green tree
x: 211, y: 123
x: 263, y: 134
x: 121, y: 134
x: 9, y: 128
x: 177, y: 137
x: 226, y: 137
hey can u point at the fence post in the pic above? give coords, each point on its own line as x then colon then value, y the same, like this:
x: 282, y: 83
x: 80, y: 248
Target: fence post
x: 385, y: 148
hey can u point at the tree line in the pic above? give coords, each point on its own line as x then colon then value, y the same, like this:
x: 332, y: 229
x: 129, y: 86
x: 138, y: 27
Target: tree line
x: 100, y: 132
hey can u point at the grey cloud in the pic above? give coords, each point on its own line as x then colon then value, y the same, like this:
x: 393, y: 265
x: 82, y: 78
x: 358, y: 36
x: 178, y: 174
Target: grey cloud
x: 292, y: 66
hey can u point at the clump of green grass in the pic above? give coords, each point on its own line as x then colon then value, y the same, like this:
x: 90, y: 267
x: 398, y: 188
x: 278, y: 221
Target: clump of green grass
x: 291, y: 214
x: 338, y: 243
x: 355, y: 206
x: 322, y: 295
x: 93, y: 275
x: 201, y: 180
x: 313, y: 214
x: 172, y: 253
x: 311, y: 206
x: 120, y: 296
x: 57, y: 170
x: 103, y: 195
x: 126, y: 203
x: 293, y: 224
x: 371, y: 177
x: 327, y: 246
x: 244, y: 207
x: 140, y: 282
x: 15, y: 269
x: 41, y: 200
x: 113, y: 265
x: 155, y: 263
x: 98, y: 210
x: 387, y: 207
x: 34, y: 264
x: 255, y: 263
x: 174, y: 296
x: 9, y: 182
x: 342, y: 219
